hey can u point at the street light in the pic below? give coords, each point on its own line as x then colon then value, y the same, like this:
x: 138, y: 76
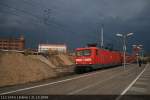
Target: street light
x: 124, y: 37
x: 129, y: 34
x: 119, y: 35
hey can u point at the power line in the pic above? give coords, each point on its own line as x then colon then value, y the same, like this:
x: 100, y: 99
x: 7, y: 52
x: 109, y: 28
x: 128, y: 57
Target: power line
x: 23, y: 11
x: 27, y: 13
x: 40, y: 19
x: 47, y: 24
x: 45, y: 21
x: 32, y: 3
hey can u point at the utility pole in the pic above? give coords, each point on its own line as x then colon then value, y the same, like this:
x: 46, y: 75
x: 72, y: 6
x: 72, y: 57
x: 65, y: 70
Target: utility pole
x: 124, y: 50
x: 102, y: 37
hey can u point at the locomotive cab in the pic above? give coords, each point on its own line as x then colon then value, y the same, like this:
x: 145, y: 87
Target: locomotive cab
x: 85, y: 58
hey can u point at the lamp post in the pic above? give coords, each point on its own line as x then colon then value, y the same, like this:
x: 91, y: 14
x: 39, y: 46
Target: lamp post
x: 124, y: 37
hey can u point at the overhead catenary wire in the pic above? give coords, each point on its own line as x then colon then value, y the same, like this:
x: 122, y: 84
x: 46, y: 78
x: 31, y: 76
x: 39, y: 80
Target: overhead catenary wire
x: 37, y: 18
x: 23, y: 11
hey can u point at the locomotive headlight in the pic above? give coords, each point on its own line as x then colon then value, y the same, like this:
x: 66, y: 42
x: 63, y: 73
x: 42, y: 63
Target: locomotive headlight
x: 88, y: 59
x: 78, y: 59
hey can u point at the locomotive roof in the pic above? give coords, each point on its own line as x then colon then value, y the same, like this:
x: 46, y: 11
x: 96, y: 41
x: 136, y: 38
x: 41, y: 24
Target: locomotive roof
x: 86, y: 48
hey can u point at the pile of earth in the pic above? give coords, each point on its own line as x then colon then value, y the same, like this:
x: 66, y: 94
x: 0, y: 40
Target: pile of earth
x: 17, y: 68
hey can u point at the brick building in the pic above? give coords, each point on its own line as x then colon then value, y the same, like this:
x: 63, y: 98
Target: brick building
x: 12, y: 43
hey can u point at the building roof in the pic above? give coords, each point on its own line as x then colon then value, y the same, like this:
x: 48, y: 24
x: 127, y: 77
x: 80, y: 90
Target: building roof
x: 11, y: 38
x: 52, y: 44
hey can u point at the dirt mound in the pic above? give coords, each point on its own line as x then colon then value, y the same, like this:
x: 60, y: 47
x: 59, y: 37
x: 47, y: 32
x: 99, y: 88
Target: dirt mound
x: 67, y: 60
x: 43, y: 59
x: 61, y: 60
x: 64, y: 64
x: 16, y: 68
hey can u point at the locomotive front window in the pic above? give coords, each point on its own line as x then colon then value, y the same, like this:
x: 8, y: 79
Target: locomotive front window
x: 87, y: 52
x: 83, y: 53
x: 79, y: 53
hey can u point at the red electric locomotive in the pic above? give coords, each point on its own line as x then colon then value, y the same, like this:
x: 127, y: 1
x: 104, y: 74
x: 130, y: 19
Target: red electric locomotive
x: 93, y: 58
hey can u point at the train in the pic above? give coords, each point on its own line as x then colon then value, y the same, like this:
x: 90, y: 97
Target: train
x: 91, y: 58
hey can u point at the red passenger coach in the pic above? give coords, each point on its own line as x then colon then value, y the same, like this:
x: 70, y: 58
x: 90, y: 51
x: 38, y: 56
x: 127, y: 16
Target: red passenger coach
x: 93, y: 58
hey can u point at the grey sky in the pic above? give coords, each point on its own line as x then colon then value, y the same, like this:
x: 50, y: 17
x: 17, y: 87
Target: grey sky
x: 75, y: 22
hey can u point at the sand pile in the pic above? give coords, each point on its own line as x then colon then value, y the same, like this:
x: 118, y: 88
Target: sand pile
x: 64, y: 63
x: 67, y: 60
x: 44, y: 60
x: 61, y: 60
x: 16, y: 68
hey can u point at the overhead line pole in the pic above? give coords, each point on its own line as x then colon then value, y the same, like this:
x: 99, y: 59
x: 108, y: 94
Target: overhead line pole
x: 124, y: 50
x: 102, y: 36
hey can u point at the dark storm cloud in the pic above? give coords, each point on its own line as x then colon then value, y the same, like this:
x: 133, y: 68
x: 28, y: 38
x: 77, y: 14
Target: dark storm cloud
x: 75, y: 22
